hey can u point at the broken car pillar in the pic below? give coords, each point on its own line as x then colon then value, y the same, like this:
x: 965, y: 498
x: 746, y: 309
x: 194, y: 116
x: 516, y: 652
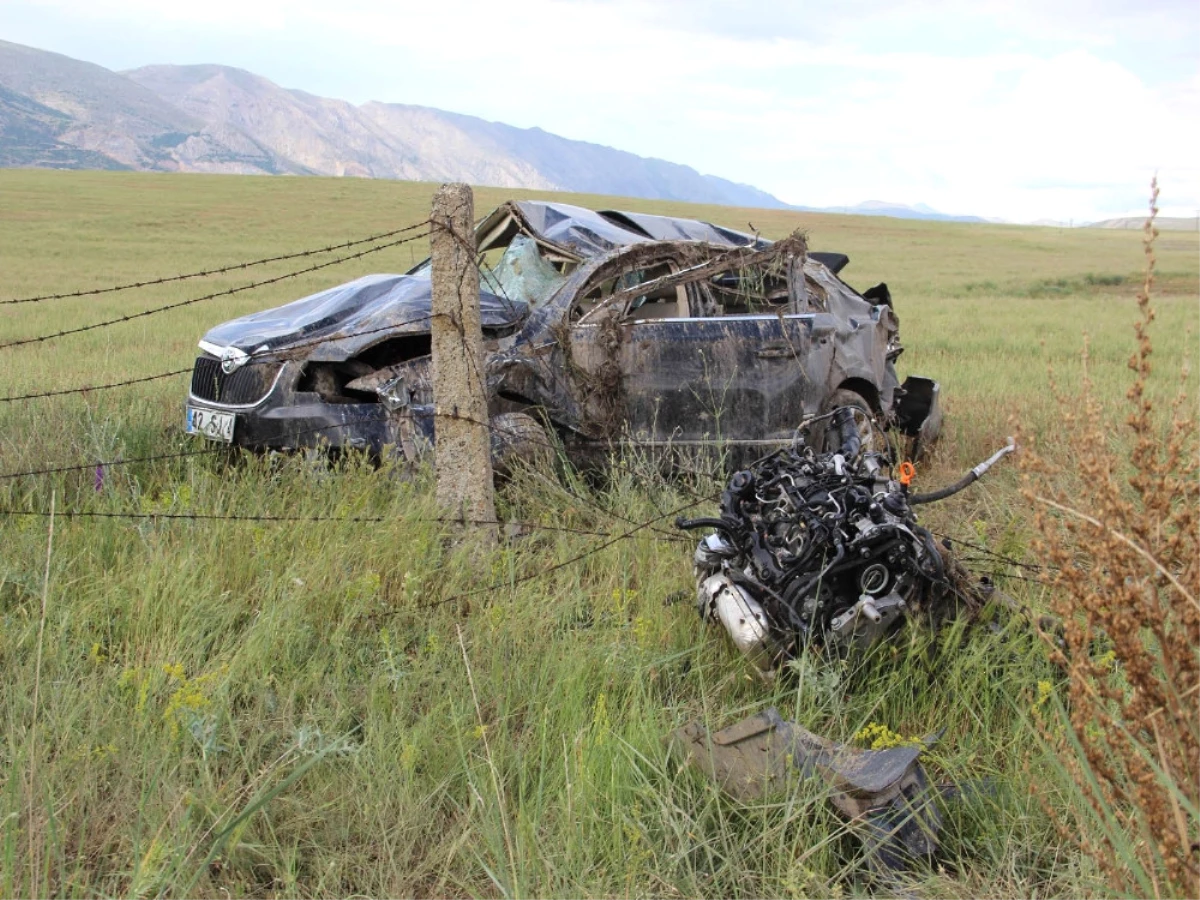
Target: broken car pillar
x: 462, y: 455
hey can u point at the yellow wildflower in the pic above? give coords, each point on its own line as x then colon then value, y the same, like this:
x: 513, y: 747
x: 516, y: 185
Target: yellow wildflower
x: 643, y: 631
x: 878, y: 736
x: 1045, y: 691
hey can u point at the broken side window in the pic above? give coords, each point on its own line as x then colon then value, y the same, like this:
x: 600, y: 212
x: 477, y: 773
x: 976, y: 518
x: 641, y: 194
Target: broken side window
x: 668, y: 302
x: 661, y: 302
x: 746, y: 291
x: 816, y: 295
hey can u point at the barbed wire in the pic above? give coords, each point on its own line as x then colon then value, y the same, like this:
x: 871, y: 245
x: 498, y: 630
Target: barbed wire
x: 220, y: 448
x: 225, y: 293
x: 1000, y: 557
x: 204, y: 273
x: 642, y: 526
x: 549, y: 445
x: 255, y: 354
x: 596, y: 507
x: 215, y: 448
x: 94, y: 387
x: 115, y: 463
x: 266, y: 517
x: 610, y: 538
x: 486, y: 279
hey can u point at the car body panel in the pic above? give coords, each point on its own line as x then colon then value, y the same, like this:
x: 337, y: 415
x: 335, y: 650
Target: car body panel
x: 338, y: 323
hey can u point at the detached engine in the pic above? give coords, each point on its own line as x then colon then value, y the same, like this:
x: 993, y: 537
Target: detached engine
x: 823, y: 548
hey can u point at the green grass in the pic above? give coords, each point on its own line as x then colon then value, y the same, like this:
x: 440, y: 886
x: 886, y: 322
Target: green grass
x: 264, y: 709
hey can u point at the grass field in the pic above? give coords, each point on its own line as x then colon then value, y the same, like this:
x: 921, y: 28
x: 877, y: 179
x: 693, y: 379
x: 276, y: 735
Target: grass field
x: 265, y: 709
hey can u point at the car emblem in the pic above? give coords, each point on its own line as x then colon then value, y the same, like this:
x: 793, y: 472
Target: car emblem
x: 233, y: 359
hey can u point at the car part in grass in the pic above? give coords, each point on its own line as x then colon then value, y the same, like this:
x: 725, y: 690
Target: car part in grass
x: 967, y: 480
x: 824, y: 548
x: 885, y: 794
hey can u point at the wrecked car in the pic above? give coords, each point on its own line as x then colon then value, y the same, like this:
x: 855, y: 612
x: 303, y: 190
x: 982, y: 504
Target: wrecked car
x: 599, y: 327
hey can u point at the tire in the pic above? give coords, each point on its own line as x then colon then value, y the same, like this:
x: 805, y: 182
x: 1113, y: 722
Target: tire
x: 518, y: 439
x: 827, y: 439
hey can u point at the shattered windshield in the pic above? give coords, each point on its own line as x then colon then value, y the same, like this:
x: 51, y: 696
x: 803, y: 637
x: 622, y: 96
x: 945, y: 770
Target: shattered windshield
x: 523, y: 274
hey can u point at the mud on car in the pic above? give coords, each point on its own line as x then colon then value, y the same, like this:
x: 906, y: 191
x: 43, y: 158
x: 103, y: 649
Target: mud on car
x: 600, y: 326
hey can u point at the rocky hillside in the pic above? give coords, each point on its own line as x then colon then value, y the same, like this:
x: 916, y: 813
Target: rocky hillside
x: 63, y: 113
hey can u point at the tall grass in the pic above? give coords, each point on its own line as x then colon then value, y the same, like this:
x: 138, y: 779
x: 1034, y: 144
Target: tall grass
x: 1123, y: 530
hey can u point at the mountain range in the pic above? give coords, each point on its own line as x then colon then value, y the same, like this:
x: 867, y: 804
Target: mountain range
x: 895, y: 210
x: 59, y: 112
x: 1162, y: 223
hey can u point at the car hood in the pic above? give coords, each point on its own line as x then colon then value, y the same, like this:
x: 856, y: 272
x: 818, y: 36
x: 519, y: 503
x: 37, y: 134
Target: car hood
x: 341, y: 322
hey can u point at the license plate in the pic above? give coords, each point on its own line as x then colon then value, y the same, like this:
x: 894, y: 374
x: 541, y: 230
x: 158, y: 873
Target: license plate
x: 215, y: 426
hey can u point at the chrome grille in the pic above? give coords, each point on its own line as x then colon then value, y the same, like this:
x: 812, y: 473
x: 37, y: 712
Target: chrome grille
x: 243, y: 387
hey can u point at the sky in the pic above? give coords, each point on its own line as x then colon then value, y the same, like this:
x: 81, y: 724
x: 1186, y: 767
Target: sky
x: 1015, y: 109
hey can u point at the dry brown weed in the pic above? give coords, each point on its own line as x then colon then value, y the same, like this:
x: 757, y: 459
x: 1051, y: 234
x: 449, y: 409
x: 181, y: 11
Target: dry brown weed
x: 1124, y: 540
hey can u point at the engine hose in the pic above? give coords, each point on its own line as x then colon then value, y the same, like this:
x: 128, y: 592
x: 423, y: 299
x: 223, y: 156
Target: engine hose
x: 843, y: 420
x: 762, y: 558
x: 939, y: 570
x: 721, y: 525
x: 970, y: 478
x: 791, y: 595
x: 949, y: 491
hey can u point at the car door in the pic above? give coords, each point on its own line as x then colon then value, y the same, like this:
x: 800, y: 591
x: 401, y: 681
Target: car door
x: 723, y: 358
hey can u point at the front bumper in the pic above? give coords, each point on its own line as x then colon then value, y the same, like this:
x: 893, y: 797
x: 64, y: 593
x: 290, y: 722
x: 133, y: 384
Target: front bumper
x: 287, y: 419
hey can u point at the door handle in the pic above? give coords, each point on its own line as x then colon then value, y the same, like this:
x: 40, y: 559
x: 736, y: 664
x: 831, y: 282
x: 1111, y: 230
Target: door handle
x: 776, y: 350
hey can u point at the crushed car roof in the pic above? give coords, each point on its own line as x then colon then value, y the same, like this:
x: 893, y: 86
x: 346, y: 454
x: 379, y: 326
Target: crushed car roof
x: 583, y: 230
x: 589, y: 233
x: 667, y: 228
x: 342, y: 321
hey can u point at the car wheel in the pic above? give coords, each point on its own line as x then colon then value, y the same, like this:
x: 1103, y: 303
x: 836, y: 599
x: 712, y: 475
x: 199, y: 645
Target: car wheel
x: 518, y: 439
x: 827, y: 439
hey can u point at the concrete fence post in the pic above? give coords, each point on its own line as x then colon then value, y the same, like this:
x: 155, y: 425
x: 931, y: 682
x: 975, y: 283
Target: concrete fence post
x: 462, y: 451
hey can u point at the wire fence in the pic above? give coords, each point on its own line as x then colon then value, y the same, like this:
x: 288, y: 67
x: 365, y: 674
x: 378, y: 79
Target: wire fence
x: 578, y: 558
x: 89, y: 388
x: 253, y: 355
x: 305, y: 520
x: 40, y: 339
x: 608, y: 538
x: 371, y: 244
x: 100, y: 467
x: 210, y: 448
x: 221, y: 270
x: 994, y: 556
